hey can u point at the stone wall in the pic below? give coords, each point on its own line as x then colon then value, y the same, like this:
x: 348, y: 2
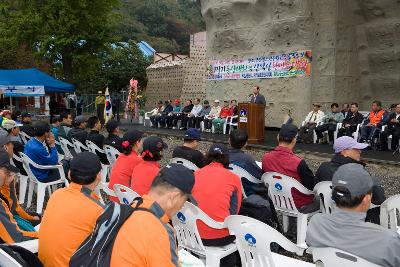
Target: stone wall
x: 355, y: 47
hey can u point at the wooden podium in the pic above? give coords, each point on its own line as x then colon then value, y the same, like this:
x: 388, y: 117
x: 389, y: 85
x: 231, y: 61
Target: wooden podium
x: 252, y: 119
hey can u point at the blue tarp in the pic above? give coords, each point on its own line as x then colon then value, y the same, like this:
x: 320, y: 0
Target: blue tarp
x: 30, y: 82
x: 146, y: 49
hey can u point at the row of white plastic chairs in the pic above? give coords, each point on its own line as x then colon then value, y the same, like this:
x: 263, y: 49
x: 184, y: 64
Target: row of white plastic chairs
x: 229, y: 122
x: 253, y: 240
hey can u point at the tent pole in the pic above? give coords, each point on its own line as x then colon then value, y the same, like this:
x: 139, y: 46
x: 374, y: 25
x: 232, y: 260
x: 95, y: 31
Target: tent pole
x: 11, y: 103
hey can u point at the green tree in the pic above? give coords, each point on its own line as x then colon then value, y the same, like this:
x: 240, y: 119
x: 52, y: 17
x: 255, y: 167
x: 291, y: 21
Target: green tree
x: 60, y: 30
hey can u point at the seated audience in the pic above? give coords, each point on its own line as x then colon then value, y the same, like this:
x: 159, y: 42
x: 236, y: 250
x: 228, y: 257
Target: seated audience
x: 6, y: 114
x: 190, y: 120
x: 234, y: 106
x: 392, y: 129
x: 42, y: 150
x: 182, y: 116
x: 10, y: 231
x: 13, y: 131
x: 65, y: 124
x: 144, y: 172
x: 306, y: 133
x: 129, y: 158
x: 147, y: 239
x: 345, y: 110
x: 175, y: 111
x: 161, y: 120
x: 219, y: 194
x: 219, y: 122
x: 71, y: 212
x: 189, y: 149
x: 214, y: 113
x: 155, y: 113
x: 94, y: 135
x: 79, y: 131
x: 203, y: 113
x: 113, y: 138
x: 351, y: 121
x: 27, y: 124
x: 347, y: 150
x: 283, y: 160
x: 7, y: 145
x: 237, y: 140
x: 54, y: 128
x: 16, y: 116
x: 373, y: 123
x: 346, y: 228
x: 330, y: 121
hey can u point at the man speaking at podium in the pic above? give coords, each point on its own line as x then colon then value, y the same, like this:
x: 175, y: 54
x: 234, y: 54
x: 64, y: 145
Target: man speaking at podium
x: 256, y: 97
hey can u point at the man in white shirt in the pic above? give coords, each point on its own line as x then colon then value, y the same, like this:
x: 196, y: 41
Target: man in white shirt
x: 190, y: 120
x: 155, y: 113
x: 310, y: 123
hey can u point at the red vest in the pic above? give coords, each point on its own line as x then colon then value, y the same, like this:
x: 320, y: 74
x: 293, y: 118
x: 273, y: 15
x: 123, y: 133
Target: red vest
x: 284, y: 161
x: 375, y: 118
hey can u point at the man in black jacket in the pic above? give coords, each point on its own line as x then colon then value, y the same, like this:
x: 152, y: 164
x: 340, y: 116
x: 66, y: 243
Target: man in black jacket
x: 348, y: 150
x: 161, y: 120
x: 189, y: 149
x: 27, y: 124
x: 78, y: 132
x: 393, y: 129
x: 113, y: 138
x: 94, y: 135
x: 351, y: 121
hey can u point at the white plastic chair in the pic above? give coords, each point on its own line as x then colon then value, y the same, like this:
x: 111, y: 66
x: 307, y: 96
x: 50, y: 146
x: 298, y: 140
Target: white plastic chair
x: 23, y: 180
x: 7, y: 261
x: 280, y: 191
x: 188, y: 164
x: 31, y: 245
x: 233, y: 124
x: 78, y: 146
x: 93, y: 148
x: 388, y: 215
x: 147, y: 118
x: 332, y: 257
x: 314, y: 133
x: 65, y: 146
x: 24, y: 137
x: 324, y: 191
x: 112, y: 154
x: 189, y: 238
x: 125, y: 194
x: 242, y: 173
x: 254, y: 238
x: 41, y: 187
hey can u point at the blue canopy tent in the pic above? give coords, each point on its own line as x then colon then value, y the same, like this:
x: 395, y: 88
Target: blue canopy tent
x: 30, y: 82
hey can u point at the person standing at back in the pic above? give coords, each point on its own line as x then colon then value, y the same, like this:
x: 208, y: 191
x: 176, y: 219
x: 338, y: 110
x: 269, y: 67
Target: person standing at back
x: 189, y: 149
x: 256, y: 97
x: 122, y: 170
x: 143, y: 174
x: 219, y: 194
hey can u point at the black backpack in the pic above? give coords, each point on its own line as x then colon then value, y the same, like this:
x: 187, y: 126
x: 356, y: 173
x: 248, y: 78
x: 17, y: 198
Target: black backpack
x: 97, y: 248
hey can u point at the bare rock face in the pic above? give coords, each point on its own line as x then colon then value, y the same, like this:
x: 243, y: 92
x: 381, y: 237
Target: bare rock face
x: 355, y: 47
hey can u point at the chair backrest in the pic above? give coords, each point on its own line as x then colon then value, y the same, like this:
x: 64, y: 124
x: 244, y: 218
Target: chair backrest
x: 92, y: 147
x: 7, y: 261
x: 324, y: 191
x: 365, y: 113
x: 27, y: 163
x: 332, y: 257
x: 254, y: 238
x: 65, y: 145
x: 125, y: 194
x: 243, y: 174
x: 112, y: 154
x: 24, y: 137
x: 188, y: 164
x: 185, y: 226
x: 78, y: 146
x: 280, y: 190
x: 389, y: 210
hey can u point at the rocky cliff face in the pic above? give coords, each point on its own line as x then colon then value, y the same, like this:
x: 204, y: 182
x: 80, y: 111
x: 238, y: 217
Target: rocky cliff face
x: 355, y: 48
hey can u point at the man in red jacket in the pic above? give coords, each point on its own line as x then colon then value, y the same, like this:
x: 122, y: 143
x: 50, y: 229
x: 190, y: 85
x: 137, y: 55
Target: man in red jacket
x: 226, y: 111
x: 284, y: 161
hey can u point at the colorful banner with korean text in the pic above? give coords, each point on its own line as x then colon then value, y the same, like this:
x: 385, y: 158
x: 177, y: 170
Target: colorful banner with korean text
x: 296, y: 64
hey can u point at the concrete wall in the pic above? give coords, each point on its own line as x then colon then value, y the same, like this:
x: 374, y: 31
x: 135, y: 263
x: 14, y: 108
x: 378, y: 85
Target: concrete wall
x: 355, y: 47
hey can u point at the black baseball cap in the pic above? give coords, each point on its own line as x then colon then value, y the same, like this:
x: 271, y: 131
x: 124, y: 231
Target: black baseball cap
x: 180, y: 177
x: 154, y: 144
x: 288, y: 131
x: 85, y: 164
x: 25, y: 114
x: 219, y: 148
x: 5, y: 162
x: 192, y: 134
x: 111, y: 126
x: 132, y: 136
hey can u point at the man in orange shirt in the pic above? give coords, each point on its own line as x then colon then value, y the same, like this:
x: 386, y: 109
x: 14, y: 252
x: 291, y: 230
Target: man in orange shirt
x: 71, y: 212
x: 143, y: 174
x: 129, y: 158
x: 146, y: 239
x: 373, y: 123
